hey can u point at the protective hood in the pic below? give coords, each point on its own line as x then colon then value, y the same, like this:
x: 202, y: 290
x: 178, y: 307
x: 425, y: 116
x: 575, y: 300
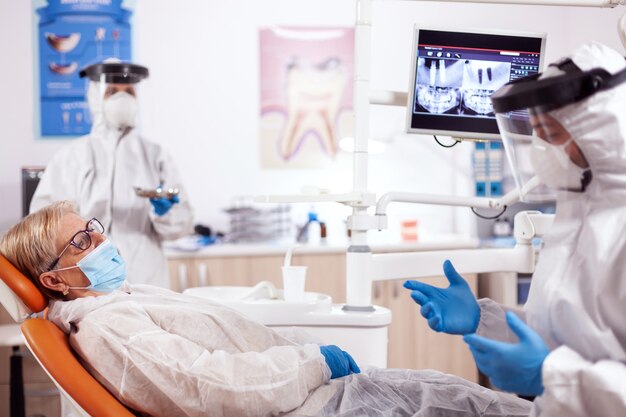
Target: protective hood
x: 578, y: 290
x: 598, y: 123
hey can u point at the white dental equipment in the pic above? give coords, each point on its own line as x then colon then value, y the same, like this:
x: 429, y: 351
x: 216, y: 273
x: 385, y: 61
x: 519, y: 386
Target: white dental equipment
x: 289, y: 254
x: 294, y: 277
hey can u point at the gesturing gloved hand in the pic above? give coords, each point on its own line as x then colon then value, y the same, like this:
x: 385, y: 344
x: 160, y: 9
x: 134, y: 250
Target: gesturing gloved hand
x: 513, y: 367
x: 339, y: 361
x: 163, y: 205
x: 451, y: 310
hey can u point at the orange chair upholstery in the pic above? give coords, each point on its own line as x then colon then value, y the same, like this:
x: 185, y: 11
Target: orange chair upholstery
x: 18, y: 294
x: 51, y: 348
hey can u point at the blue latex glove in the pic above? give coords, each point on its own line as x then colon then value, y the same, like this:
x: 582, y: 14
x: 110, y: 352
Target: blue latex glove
x: 451, y: 310
x: 339, y: 361
x: 512, y: 367
x: 163, y: 205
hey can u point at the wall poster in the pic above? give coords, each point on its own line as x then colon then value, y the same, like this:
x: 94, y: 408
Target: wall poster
x: 306, y: 77
x: 72, y: 34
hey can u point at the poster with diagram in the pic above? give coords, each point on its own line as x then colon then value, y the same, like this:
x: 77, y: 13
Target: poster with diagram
x: 306, y: 77
x: 71, y: 35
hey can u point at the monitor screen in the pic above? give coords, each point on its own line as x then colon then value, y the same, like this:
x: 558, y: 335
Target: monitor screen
x: 454, y: 72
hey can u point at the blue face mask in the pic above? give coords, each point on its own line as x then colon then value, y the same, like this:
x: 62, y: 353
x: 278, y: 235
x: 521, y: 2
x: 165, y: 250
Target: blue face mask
x: 104, y: 267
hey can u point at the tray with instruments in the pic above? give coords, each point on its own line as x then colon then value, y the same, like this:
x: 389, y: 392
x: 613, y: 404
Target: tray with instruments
x: 159, y: 192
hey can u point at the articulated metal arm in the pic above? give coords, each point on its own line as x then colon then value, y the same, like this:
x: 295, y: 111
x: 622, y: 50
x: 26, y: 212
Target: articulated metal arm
x: 452, y: 200
x: 363, y: 267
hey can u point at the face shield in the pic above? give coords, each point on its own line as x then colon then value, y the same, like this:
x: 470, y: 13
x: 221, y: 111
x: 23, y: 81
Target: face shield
x: 112, y: 93
x: 531, y: 118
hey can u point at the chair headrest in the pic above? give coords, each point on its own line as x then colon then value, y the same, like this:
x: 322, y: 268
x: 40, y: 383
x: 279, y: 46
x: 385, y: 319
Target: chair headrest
x: 19, y: 296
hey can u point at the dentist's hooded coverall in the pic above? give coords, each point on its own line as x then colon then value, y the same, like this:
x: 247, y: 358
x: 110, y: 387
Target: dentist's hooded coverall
x: 577, y: 299
x: 98, y: 172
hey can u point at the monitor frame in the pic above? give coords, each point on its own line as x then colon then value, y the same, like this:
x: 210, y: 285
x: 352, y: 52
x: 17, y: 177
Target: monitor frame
x: 458, y: 134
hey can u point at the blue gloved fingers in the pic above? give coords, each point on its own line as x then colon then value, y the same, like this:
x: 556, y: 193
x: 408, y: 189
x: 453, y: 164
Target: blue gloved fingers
x: 419, y: 297
x: 453, y: 277
x: 482, y: 344
x: 427, y: 310
x: 425, y: 289
x: 520, y: 328
x: 337, y: 361
x: 175, y: 199
x: 435, y: 323
x: 354, y: 368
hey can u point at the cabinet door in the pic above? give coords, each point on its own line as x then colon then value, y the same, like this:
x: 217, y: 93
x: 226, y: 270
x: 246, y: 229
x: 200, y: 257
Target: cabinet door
x: 182, y: 274
x: 265, y: 268
x: 233, y: 271
x: 325, y: 274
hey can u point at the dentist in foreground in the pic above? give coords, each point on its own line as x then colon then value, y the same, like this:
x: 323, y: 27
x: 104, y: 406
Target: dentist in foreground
x: 568, y: 346
x: 99, y: 172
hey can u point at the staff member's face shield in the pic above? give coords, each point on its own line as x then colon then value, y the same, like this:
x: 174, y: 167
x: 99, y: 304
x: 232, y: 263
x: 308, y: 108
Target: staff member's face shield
x: 112, y: 92
x: 529, y: 113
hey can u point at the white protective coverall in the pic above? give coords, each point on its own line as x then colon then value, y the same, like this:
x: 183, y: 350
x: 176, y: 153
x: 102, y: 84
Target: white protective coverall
x: 170, y: 354
x: 98, y: 172
x: 577, y: 299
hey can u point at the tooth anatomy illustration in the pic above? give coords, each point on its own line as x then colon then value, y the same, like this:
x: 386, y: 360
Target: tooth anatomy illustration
x: 63, y: 69
x: 314, y: 94
x: 63, y: 43
x: 100, y: 34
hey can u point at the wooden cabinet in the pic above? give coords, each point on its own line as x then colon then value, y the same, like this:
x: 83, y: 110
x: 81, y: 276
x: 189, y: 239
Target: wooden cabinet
x: 412, y: 344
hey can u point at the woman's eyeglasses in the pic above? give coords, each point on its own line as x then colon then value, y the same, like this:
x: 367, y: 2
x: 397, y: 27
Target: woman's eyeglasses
x: 81, y: 239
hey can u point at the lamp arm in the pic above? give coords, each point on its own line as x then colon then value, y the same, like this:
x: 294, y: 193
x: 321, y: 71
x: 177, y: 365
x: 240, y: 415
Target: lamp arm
x: 363, y: 267
x: 451, y: 200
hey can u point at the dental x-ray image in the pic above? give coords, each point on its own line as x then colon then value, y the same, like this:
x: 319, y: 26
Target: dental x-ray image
x: 480, y: 80
x: 439, y: 83
x: 463, y: 87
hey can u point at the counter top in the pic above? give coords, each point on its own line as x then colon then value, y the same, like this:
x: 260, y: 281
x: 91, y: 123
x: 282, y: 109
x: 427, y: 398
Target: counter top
x: 439, y: 242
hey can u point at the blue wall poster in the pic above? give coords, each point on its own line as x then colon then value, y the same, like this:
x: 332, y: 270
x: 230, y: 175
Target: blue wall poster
x: 71, y: 35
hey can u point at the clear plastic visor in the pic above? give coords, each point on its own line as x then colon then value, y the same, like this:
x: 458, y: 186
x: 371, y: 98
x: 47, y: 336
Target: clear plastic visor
x: 538, y: 145
x: 116, y: 102
x: 107, y: 89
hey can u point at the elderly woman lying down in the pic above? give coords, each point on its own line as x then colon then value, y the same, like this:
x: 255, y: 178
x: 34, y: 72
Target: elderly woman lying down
x: 166, y: 354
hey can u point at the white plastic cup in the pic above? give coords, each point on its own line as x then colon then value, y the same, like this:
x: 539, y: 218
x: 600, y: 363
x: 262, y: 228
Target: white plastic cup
x: 293, y: 283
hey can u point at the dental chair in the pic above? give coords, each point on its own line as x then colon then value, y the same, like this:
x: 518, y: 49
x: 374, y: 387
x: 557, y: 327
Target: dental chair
x: 85, y: 396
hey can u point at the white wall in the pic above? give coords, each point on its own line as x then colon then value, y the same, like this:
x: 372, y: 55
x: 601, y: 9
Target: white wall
x: 203, y: 96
